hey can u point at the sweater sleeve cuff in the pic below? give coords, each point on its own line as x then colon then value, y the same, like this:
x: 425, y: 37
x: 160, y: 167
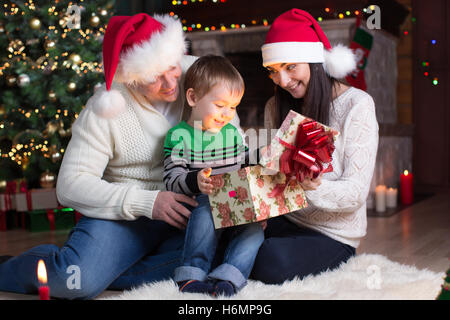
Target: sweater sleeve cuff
x: 191, y: 182
x: 140, y: 203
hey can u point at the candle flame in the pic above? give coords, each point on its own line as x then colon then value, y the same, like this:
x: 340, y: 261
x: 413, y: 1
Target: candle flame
x: 42, y: 272
x: 405, y: 172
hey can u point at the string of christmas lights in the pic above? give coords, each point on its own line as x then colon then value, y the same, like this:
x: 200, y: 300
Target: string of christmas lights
x: 329, y: 13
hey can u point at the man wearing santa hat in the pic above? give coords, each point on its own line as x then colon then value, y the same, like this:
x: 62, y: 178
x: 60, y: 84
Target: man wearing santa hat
x: 112, y: 172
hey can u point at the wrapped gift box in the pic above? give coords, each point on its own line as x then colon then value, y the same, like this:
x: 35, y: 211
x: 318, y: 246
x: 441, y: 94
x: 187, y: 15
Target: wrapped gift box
x: 7, y: 211
x: 50, y: 219
x: 36, y: 199
x: 7, y: 201
x: 308, y: 145
x: 247, y: 196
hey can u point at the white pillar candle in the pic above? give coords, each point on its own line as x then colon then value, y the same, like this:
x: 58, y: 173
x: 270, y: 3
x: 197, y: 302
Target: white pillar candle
x: 380, y: 198
x: 391, y: 197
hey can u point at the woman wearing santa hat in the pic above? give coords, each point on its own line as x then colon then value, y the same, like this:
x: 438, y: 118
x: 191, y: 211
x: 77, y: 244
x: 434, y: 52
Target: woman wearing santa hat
x: 306, y: 71
x: 112, y: 171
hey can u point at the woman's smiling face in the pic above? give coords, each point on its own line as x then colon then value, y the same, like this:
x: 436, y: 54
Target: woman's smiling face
x: 292, y: 77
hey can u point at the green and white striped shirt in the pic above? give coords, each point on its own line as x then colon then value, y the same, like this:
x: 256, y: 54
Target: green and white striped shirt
x: 188, y: 150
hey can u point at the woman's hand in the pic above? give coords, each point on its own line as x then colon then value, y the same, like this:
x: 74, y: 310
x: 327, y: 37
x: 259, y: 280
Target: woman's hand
x: 204, y: 181
x: 168, y: 208
x: 311, y: 184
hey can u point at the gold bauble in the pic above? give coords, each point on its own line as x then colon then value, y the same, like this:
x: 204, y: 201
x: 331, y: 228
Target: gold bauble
x: 2, y: 110
x: 71, y: 87
x: 47, y: 180
x: 55, y: 154
x: 10, y: 80
x: 3, y: 185
x: 49, y: 44
x: 75, y: 58
x: 35, y: 23
x: 51, y: 127
x: 94, y: 21
x: 103, y: 12
x: 52, y: 96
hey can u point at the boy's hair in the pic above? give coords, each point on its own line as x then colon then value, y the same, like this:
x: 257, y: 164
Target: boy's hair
x: 210, y: 70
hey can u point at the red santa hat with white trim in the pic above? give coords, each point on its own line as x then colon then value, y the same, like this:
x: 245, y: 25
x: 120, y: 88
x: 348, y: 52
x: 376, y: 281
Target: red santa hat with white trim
x: 295, y: 36
x: 137, y: 49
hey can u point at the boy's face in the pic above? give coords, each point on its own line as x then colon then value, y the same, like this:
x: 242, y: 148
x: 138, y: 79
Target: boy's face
x: 215, y: 109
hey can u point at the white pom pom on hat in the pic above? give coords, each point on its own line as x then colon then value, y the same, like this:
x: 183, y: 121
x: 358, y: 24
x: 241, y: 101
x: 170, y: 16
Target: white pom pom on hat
x: 137, y: 49
x: 295, y: 36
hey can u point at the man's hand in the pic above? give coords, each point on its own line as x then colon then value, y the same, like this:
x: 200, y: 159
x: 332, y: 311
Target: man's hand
x: 204, y: 181
x: 168, y: 208
x: 311, y: 184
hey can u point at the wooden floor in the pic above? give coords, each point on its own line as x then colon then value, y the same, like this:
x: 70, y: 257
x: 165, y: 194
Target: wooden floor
x: 418, y: 235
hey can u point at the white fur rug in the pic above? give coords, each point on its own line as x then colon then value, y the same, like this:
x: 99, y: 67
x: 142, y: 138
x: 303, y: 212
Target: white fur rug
x: 364, y: 277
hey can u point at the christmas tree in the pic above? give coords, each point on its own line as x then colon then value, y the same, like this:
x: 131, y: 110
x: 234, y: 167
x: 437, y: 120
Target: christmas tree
x: 50, y: 64
x: 445, y: 292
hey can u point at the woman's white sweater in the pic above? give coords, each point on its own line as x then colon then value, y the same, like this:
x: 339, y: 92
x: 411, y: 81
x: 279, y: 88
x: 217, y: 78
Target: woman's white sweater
x: 337, y: 208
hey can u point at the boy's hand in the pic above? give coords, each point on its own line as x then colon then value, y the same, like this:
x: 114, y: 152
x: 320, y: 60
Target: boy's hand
x: 204, y: 181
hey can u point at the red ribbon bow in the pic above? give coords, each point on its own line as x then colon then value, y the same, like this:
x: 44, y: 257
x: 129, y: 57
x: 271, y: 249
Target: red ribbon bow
x: 313, y: 149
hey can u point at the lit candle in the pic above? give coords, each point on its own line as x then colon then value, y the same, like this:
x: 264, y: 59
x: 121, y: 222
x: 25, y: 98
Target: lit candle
x: 44, y: 290
x: 406, y: 187
x: 391, y: 197
x: 380, y: 198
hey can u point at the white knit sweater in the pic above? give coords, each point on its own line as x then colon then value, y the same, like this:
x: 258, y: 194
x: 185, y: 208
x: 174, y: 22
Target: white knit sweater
x: 337, y: 208
x: 113, y: 167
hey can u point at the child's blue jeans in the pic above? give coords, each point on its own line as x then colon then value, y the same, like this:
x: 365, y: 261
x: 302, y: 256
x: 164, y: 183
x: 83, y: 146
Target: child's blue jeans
x: 201, y: 243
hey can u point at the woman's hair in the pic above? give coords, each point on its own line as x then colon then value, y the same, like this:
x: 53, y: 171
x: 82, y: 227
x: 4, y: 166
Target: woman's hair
x: 316, y: 102
x: 208, y: 71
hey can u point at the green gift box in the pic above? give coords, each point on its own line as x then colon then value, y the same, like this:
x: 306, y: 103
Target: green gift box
x: 50, y: 219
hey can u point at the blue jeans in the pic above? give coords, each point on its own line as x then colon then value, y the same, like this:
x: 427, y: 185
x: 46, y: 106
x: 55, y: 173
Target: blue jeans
x: 104, y: 253
x: 200, y: 246
x: 291, y: 251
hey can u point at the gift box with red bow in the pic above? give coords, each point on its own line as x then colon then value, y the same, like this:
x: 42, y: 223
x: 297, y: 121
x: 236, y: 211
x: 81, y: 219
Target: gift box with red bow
x: 301, y: 148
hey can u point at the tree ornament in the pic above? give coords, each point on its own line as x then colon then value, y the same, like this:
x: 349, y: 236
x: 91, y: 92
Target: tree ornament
x: 2, y: 110
x: 47, y: 180
x: 103, y: 12
x: 75, y: 58
x: 55, y: 155
x: 35, y: 24
x: 94, y: 21
x: 49, y: 44
x: 71, y: 86
x: 52, y: 96
x: 51, y: 128
x: 23, y: 80
x: 11, y: 80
